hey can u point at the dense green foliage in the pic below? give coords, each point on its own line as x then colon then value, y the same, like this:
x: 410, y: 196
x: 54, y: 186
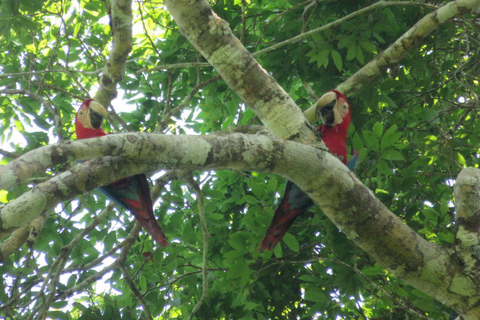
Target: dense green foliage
x: 416, y: 126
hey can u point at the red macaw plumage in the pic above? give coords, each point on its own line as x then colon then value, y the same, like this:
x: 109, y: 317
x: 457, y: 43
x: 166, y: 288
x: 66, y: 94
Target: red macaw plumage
x: 132, y: 193
x: 335, y: 113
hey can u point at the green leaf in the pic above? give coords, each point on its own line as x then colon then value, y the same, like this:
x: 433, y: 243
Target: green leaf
x: 378, y: 129
x: 390, y: 137
x: 337, y: 59
x: 143, y: 283
x: 278, y: 251
x: 315, y: 295
x: 372, y: 271
x: 460, y: 159
x: 216, y: 216
x: 322, y: 58
x: 359, y: 55
x: 368, y: 46
x: 58, y: 315
x: 357, y: 142
x: 94, y: 6
x: 392, y: 155
x: 291, y: 242
x: 446, y: 237
x: 59, y: 304
x: 237, y: 241
x: 351, y: 52
x: 372, y: 141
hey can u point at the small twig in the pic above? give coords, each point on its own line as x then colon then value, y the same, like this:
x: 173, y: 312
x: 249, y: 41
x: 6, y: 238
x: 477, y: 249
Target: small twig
x: 280, y: 15
x: 310, y: 91
x: 339, y: 21
x: 9, y: 154
x: 39, y: 72
x: 176, y: 66
x: 244, y: 23
x: 169, y: 114
x: 126, y: 246
x: 206, y: 236
x: 48, y: 106
x: 113, y: 114
x: 135, y: 291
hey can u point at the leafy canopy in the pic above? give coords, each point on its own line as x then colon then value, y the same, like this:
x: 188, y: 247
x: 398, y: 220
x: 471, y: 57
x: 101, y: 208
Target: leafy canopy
x: 416, y: 126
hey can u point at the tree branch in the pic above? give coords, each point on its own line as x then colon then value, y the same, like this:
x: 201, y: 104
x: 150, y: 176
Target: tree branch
x: 399, y: 49
x: 347, y: 202
x: 114, y: 70
x: 341, y: 20
x: 467, y: 217
x: 206, y: 236
x: 135, y: 291
x: 212, y: 37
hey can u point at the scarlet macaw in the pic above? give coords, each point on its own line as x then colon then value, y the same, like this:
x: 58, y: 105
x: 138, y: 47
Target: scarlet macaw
x: 132, y: 193
x: 335, y: 114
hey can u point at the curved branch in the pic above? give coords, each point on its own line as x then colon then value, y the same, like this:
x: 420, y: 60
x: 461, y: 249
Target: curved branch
x: 212, y: 37
x: 206, y: 236
x: 467, y: 216
x: 347, y: 202
x: 339, y: 21
x: 399, y: 49
x: 114, y: 69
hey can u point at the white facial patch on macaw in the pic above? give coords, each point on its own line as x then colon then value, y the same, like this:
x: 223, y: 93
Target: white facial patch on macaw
x: 340, y: 110
x: 332, y: 109
x: 98, y: 108
x: 84, y: 114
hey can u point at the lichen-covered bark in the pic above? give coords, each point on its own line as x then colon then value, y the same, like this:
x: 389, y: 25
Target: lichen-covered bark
x: 348, y: 203
x: 399, y: 49
x: 467, y: 218
x: 212, y: 37
x: 28, y: 233
x: 16, y: 240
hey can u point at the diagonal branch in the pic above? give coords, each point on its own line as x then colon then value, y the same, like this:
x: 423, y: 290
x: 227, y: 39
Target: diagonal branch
x: 114, y: 69
x: 347, y: 202
x: 380, y: 4
x: 399, y: 49
x: 212, y: 37
x: 206, y: 236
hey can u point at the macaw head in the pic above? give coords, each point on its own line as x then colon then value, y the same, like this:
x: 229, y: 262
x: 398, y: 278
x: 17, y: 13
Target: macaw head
x: 333, y: 109
x: 89, y: 118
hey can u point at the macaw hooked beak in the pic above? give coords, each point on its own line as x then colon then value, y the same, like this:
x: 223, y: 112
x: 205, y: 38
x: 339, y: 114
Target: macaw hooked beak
x: 326, y: 108
x: 332, y: 108
x: 327, y: 114
x: 97, y: 113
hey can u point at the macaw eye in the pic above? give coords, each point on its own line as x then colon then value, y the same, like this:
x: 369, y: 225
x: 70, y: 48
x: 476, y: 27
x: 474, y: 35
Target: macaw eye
x: 80, y: 113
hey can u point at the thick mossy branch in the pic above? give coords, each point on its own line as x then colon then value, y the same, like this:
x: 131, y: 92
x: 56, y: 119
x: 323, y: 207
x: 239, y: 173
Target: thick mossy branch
x: 213, y: 38
x: 467, y: 217
x: 347, y: 202
x: 114, y: 70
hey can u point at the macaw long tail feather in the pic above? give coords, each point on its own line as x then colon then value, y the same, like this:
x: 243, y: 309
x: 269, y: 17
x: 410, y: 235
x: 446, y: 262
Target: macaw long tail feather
x: 133, y: 194
x: 294, y: 203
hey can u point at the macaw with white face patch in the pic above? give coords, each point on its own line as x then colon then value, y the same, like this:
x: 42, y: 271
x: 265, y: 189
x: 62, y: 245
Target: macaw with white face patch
x: 334, y: 111
x: 132, y: 193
